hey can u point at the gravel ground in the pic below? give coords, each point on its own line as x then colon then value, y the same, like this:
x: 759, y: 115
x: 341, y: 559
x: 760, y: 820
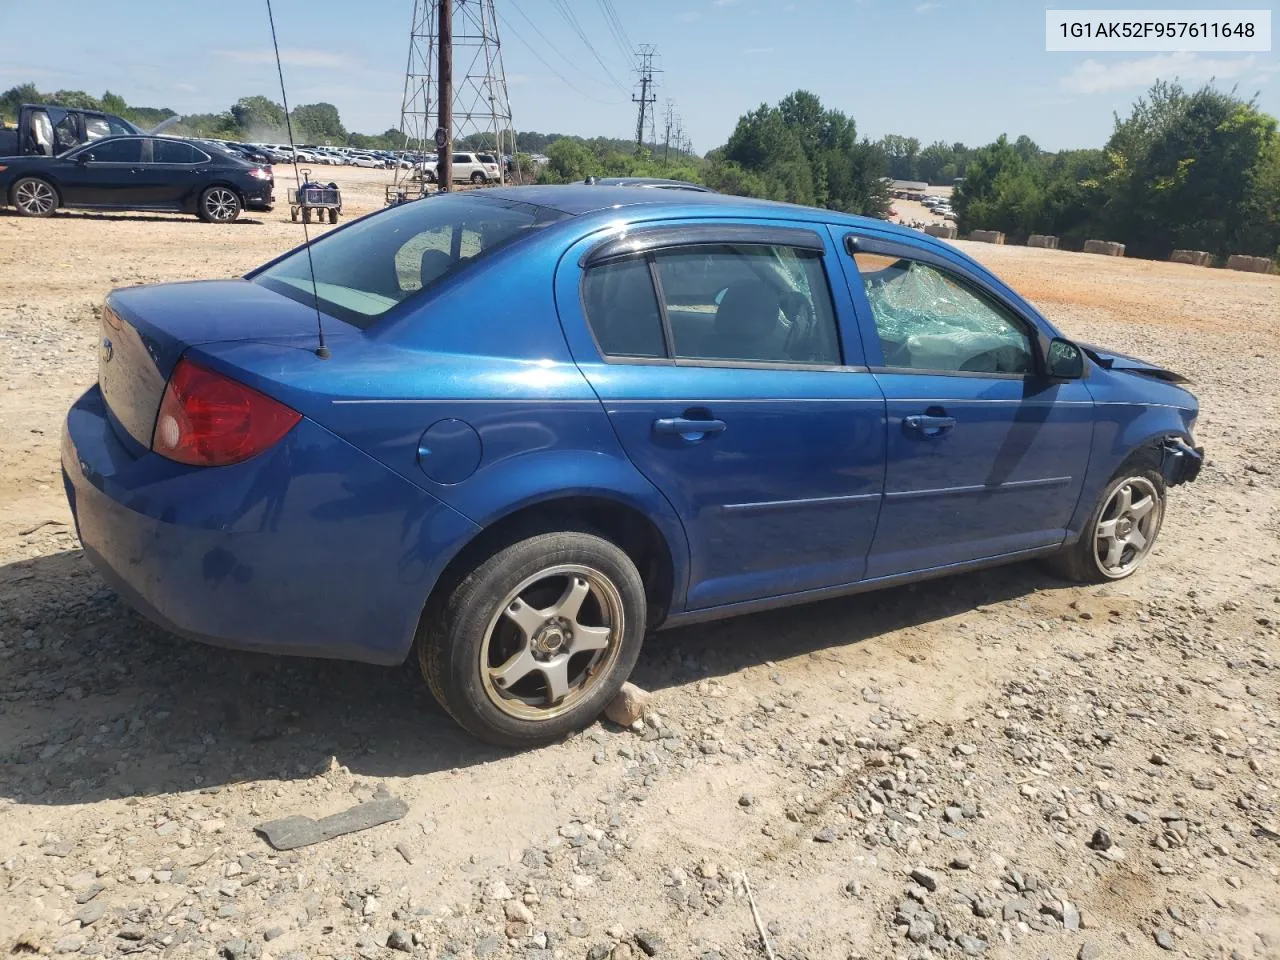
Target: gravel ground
x: 990, y: 765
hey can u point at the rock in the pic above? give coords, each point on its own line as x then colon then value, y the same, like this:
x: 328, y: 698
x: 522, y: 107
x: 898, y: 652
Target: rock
x: 598, y: 951
x: 971, y: 946
x: 89, y: 892
x: 621, y: 952
x: 272, y: 933
x: 960, y: 862
x: 748, y: 799
x: 1089, y: 951
x: 370, y: 907
x: 649, y: 942
x: 825, y: 835
x: 73, y: 943
x: 518, y: 930
x: 919, y: 929
x: 91, y: 913
x: 140, y: 874
x: 628, y: 706
x: 1070, y: 916
x: 1101, y: 839
x: 578, y: 928
x: 517, y: 911
x: 498, y: 891
x: 400, y: 940
x: 925, y: 878
x: 235, y: 950
x: 489, y: 945
x: 1164, y: 939
x: 1137, y: 816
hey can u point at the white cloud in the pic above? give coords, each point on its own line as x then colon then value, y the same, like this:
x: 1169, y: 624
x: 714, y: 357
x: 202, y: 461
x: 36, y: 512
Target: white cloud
x: 723, y: 3
x: 292, y: 57
x: 1094, y: 77
x: 185, y: 88
x: 924, y: 8
x: 756, y: 51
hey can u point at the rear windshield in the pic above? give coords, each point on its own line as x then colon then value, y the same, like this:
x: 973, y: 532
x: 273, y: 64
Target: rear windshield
x: 365, y: 269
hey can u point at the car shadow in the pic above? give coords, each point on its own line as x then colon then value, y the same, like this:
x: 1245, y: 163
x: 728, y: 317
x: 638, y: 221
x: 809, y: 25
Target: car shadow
x: 70, y: 215
x: 95, y: 702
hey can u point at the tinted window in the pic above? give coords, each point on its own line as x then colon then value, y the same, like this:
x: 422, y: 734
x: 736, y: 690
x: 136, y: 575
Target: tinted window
x: 462, y: 158
x: 65, y: 135
x: 623, y: 309
x: 175, y: 151
x: 755, y: 303
x: 928, y: 319
x: 95, y: 128
x: 116, y: 151
x: 365, y: 269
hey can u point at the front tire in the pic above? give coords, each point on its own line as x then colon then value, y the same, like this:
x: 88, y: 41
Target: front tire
x: 1122, y: 528
x: 34, y: 197
x: 536, y: 640
x: 219, y: 204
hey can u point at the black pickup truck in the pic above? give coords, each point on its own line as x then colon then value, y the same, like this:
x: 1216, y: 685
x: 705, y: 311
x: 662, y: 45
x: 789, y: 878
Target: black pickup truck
x: 48, y: 130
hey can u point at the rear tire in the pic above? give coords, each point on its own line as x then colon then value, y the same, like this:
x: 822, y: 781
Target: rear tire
x: 1122, y: 528
x: 536, y: 640
x: 333, y: 215
x: 34, y: 197
x: 306, y: 214
x: 478, y: 177
x: 219, y: 204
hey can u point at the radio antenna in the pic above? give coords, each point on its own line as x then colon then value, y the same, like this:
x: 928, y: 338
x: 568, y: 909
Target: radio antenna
x: 322, y: 351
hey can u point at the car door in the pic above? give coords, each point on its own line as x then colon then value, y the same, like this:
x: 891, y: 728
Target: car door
x: 103, y: 174
x: 171, y: 174
x: 986, y: 454
x: 735, y: 382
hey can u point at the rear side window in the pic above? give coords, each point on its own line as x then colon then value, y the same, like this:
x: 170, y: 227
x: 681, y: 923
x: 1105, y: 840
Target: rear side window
x: 749, y: 303
x: 764, y: 304
x: 175, y: 151
x: 365, y: 269
x: 622, y: 309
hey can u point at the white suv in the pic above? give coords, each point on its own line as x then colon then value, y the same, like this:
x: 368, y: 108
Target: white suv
x: 473, y: 167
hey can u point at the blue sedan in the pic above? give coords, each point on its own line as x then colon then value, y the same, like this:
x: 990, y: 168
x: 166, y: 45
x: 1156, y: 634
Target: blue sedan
x: 547, y: 420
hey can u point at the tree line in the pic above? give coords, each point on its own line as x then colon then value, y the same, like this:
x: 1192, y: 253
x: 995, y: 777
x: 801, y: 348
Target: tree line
x: 1185, y: 169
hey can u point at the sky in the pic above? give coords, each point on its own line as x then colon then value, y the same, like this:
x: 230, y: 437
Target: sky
x: 947, y: 70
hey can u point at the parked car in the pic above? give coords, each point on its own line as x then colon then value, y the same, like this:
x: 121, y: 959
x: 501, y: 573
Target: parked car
x: 137, y: 173
x: 47, y: 130
x: 664, y: 407
x: 364, y: 160
x: 467, y: 167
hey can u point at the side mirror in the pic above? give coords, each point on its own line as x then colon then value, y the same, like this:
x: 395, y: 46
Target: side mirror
x: 83, y: 158
x: 1065, y: 361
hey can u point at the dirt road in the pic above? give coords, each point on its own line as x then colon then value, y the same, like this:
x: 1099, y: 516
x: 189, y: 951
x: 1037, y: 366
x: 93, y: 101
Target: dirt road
x: 916, y: 773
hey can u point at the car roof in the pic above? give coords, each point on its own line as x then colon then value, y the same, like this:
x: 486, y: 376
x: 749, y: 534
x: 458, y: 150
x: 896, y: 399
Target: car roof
x: 579, y: 199
x: 648, y: 182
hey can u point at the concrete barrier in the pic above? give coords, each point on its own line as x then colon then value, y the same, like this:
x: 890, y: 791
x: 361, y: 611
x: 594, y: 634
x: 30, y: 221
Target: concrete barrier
x: 947, y: 231
x: 1042, y: 240
x: 1105, y: 247
x: 986, y: 236
x: 1197, y: 258
x: 1238, y: 261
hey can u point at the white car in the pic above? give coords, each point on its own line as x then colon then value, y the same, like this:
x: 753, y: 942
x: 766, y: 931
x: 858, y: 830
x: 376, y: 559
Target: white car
x: 366, y: 161
x: 468, y: 167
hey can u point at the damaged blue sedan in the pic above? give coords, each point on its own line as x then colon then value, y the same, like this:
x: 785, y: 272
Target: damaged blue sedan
x: 512, y: 431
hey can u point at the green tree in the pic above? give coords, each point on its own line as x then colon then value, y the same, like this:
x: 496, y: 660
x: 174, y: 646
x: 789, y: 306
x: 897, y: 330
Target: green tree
x: 258, y: 117
x: 314, y: 122
x: 15, y: 97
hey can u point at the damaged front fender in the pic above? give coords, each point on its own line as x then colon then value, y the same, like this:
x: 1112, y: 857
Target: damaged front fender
x: 1179, y: 461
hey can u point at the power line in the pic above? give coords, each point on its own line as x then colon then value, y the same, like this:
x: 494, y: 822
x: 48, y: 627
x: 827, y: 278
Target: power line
x: 554, y: 49
x: 560, y: 76
x: 565, y: 12
x: 616, y: 29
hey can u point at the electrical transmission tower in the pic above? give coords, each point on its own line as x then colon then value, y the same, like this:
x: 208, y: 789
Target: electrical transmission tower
x: 480, y: 102
x: 646, y: 120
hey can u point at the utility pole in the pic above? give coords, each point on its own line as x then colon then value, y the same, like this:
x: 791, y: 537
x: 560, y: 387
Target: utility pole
x: 647, y: 96
x: 444, y: 136
x: 666, y: 139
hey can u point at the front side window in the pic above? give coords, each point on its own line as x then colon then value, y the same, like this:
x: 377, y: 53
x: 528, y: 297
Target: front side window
x: 116, y: 151
x: 928, y: 319
x: 65, y: 134
x: 365, y: 269
x: 767, y: 304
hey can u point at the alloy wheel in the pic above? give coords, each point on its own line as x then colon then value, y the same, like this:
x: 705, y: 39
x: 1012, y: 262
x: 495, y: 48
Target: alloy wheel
x: 35, y: 198
x: 1127, y: 527
x: 551, y: 641
x: 221, y: 204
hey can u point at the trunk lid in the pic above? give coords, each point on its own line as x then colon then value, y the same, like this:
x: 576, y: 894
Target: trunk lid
x: 146, y: 329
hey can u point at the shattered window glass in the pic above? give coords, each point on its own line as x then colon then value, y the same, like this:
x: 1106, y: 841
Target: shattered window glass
x: 928, y: 320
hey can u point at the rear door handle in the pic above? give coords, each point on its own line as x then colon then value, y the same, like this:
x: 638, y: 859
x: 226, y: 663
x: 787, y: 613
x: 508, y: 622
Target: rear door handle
x: 929, y: 426
x: 689, y: 429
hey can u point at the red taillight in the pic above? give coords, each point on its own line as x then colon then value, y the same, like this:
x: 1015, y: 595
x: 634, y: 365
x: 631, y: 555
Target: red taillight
x: 209, y: 420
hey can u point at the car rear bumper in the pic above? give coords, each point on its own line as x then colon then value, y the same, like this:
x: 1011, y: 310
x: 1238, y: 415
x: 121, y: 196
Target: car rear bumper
x: 311, y: 548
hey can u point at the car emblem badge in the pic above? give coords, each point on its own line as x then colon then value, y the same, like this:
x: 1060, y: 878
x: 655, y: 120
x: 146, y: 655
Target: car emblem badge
x: 107, y: 350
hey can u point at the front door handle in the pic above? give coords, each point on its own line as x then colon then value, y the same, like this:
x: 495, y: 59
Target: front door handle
x: 689, y: 429
x: 929, y: 427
